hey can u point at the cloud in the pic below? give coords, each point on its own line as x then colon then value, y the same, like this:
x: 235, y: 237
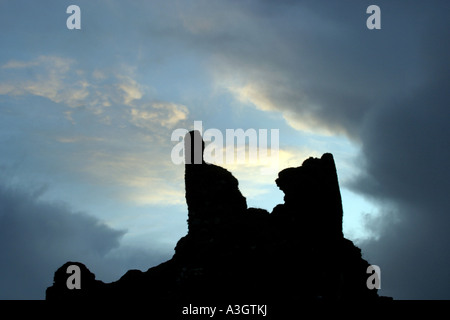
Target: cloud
x: 122, y: 145
x: 158, y: 114
x: 51, y: 77
x: 259, y: 95
x: 387, y: 91
x: 406, y: 163
x: 59, y: 80
x: 323, y: 70
x: 412, y: 252
x: 256, y: 170
x: 37, y: 237
x: 131, y: 89
x: 257, y: 178
x: 49, y: 80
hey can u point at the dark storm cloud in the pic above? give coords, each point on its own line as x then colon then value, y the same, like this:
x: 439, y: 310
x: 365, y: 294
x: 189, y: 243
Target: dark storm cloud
x: 404, y: 134
x: 405, y: 146
x: 38, y: 237
x: 316, y: 61
x: 387, y: 89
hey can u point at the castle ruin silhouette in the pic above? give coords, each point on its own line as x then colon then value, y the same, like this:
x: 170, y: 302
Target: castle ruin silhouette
x: 296, y: 252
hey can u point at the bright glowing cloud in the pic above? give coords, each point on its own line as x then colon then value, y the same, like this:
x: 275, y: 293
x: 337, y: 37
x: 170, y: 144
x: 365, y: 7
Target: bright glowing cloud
x: 131, y: 90
x: 164, y: 114
x: 250, y: 93
x: 255, y: 180
x: 305, y: 120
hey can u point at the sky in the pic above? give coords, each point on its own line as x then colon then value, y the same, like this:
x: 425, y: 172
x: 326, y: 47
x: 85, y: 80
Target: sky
x: 86, y: 118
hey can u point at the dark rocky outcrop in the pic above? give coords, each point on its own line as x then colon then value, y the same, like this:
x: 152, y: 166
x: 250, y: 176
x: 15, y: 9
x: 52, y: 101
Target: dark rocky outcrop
x: 297, y: 252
